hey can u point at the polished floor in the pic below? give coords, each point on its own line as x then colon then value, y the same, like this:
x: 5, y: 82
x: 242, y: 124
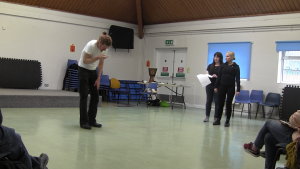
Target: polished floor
x: 136, y: 138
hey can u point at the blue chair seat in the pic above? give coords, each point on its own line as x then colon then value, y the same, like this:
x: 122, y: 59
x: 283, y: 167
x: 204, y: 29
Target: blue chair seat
x: 243, y: 101
x: 256, y: 96
x: 269, y: 104
x: 255, y: 101
x: 119, y: 91
x: 272, y: 100
x: 70, y: 62
x: 243, y: 98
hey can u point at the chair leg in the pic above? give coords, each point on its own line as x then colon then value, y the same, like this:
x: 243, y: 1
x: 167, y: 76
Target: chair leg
x: 256, y: 111
x: 128, y: 97
x: 148, y: 100
x: 263, y: 108
x: 140, y: 100
x: 249, y: 110
x: 242, y: 109
x: 271, y: 113
x: 277, y: 156
x: 118, y: 98
x: 233, y: 109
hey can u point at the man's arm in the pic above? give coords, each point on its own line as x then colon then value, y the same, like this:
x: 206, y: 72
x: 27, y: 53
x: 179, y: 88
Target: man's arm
x: 100, y: 68
x: 87, y: 58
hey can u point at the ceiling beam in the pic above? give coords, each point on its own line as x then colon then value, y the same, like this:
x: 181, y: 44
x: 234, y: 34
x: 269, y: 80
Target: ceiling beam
x: 139, y: 17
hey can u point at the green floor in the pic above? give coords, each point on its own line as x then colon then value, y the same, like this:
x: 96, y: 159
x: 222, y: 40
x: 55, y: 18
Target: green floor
x: 136, y: 138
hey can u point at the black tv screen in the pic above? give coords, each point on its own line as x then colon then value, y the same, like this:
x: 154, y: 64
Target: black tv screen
x: 122, y: 37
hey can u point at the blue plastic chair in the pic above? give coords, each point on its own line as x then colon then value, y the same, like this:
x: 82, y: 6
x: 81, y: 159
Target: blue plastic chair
x: 104, y: 80
x: 149, y: 94
x: 121, y: 89
x: 104, y: 86
x: 272, y: 100
x: 71, y: 81
x: 256, y: 96
x: 243, y: 98
x: 70, y: 62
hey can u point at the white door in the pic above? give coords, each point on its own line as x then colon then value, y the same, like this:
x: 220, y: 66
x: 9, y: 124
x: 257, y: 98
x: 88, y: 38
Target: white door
x: 173, y: 59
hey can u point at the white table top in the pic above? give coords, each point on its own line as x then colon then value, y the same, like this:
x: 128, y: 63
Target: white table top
x: 167, y: 85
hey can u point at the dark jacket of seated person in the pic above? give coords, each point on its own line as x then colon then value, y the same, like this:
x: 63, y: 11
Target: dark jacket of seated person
x: 11, y: 142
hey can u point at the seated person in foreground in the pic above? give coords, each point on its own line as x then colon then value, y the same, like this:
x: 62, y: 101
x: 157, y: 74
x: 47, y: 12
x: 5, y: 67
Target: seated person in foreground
x: 272, y: 133
x: 10, y: 141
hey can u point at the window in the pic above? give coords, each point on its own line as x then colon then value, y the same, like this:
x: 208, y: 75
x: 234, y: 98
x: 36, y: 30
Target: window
x: 289, y: 67
x: 288, y: 62
x: 242, y: 51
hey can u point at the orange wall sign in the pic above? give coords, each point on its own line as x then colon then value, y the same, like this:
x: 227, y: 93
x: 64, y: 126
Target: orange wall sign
x: 148, y: 63
x: 72, y: 48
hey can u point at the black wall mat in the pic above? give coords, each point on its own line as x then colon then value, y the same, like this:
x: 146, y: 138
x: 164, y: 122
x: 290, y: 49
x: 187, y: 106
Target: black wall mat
x: 290, y: 102
x: 20, y: 73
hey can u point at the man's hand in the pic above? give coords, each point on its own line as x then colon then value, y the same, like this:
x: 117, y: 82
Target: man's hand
x: 101, y: 56
x: 97, y: 83
x: 237, y: 93
x: 216, y: 90
x: 214, y: 75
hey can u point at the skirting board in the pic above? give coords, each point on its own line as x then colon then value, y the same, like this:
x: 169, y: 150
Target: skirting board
x: 24, y: 98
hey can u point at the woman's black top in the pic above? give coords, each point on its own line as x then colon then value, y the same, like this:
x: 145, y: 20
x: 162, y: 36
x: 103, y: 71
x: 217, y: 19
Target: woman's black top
x: 213, y: 70
x: 228, y: 75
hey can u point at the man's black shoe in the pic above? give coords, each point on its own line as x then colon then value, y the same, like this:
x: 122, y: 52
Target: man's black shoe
x: 227, y: 123
x: 86, y: 126
x: 217, y: 122
x: 96, y: 125
x: 44, y: 161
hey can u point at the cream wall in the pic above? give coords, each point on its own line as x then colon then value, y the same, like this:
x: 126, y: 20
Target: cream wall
x: 264, y: 57
x: 46, y: 35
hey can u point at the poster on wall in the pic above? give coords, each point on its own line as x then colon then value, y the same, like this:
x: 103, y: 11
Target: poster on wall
x: 180, y: 69
x: 72, y: 48
x: 165, y: 69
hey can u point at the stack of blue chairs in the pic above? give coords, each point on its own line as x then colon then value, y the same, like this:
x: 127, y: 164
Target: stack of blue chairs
x: 133, y: 88
x: 105, y: 86
x: 71, y: 79
x: 70, y: 62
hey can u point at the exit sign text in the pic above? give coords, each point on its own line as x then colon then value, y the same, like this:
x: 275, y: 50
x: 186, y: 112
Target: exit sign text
x: 169, y: 42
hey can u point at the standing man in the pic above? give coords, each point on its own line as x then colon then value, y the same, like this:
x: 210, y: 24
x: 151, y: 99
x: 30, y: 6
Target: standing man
x: 92, y: 56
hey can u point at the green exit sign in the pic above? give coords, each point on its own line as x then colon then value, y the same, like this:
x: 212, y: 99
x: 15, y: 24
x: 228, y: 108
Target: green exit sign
x: 169, y: 42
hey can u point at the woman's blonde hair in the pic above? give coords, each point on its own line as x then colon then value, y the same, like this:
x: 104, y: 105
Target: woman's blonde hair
x: 231, y: 54
x: 105, y: 39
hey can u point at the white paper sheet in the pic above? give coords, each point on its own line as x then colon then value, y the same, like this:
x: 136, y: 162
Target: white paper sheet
x: 204, y: 80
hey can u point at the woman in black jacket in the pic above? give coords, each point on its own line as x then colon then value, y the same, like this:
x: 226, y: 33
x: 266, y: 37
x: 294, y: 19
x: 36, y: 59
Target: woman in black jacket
x: 213, y: 70
x: 229, y: 73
